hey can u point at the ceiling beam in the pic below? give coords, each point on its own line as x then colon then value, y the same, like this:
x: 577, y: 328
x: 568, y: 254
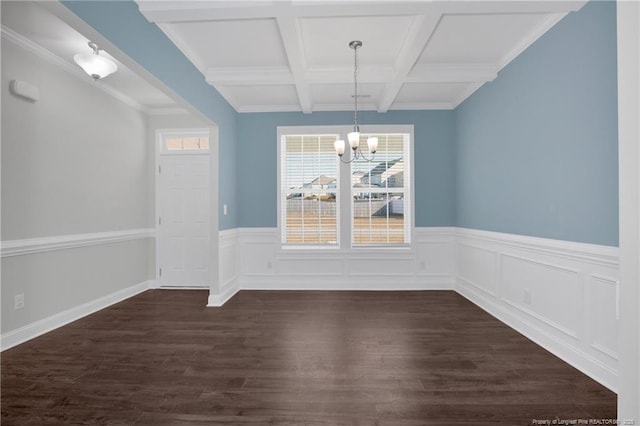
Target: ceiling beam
x: 249, y: 76
x: 198, y: 11
x: 292, y: 41
x: 421, y: 73
x: 420, y: 32
x: 367, y: 74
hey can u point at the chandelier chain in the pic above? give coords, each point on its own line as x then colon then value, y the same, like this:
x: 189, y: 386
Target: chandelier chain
x: 355, y: 82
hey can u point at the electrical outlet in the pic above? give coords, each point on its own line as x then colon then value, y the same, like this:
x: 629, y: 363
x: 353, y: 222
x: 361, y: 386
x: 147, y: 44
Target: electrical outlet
x: 423, y: 266
x: 224, y: 209
x: 526, y: 296
x: 269, y: 265
x: 18, y: 301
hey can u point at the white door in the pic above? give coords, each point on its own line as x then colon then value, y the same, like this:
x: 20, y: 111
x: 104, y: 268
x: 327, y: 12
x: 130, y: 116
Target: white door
x: 183, y: 220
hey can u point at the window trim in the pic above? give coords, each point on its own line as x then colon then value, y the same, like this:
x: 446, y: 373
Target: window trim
x: 344, y: 212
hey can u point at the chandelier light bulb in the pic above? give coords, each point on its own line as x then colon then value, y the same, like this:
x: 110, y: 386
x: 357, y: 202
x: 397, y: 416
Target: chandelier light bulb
x: 354, y: 139
x: 372, y: 142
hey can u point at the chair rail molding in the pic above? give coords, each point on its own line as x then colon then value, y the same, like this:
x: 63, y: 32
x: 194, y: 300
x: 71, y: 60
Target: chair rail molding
x: 62, y: 242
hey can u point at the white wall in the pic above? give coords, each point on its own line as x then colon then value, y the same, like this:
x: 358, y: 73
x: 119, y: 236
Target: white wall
x: 629, y: 178
x: 75, y: 194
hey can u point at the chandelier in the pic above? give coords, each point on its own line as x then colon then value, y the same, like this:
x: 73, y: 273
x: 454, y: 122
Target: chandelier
x: 354, y: 137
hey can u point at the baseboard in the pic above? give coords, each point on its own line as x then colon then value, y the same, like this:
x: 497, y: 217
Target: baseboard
x: 570, y: 354
x: 217, y: 300
x: 328, y: 284
x: 37, y: 328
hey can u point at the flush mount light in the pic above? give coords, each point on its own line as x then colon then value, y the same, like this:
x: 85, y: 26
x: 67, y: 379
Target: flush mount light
x: 354, y: 137
x: 95, y: 65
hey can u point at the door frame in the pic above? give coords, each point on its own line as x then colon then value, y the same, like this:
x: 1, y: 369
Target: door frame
x: 213, y: 225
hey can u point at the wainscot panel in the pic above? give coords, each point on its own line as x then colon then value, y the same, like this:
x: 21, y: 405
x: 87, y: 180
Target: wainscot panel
x: 229, y: 265
x: 265, y: 264
x: 228, y: 274
x: 560, y: 294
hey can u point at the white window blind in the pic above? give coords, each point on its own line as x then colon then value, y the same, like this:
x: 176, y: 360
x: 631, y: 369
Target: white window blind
x: 309, y: 186
x: 380, y: 193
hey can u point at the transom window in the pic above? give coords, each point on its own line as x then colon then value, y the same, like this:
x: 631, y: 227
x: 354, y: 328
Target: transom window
x: 324, y: 202
x: 184, y: 141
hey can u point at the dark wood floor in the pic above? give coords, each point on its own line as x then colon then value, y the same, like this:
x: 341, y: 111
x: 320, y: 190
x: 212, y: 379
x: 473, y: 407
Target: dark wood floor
x: 293, y: 358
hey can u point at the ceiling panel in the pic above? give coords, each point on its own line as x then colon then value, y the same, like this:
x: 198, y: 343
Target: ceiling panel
x: 479, y: 38
x: 266, y: 95
x: 326, y: 40
x: 233, y: 43
x: 342, y: 94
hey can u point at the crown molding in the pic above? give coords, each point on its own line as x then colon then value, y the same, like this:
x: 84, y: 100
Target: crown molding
x: 541, y: 29
x: 194, y: 58
x: 24, y: 43
x: 396, y: 106
x: 269, y: 108
x: 471, y: 89
x: 452, y: 73
x: 167, y: 111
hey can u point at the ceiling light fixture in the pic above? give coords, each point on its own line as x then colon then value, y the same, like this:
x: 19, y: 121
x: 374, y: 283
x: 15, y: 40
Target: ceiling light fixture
x: 95, y: 65
x: 354, y: 137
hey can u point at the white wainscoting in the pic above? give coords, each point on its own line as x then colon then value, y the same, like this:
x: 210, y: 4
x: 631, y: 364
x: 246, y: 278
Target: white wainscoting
x: 265, y: 265
x: 561, y: 295
x: 45, y: 325
x: 229, y: 272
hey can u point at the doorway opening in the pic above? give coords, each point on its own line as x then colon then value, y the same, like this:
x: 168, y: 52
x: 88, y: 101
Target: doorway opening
x: 183, y: 208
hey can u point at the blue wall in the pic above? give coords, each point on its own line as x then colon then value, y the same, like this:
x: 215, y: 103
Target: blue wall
x: 122, y: 23
x: 433, y: 151
x: 536, y: 149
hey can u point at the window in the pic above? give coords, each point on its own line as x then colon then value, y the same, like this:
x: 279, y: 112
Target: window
x: 184, y: 142
x: 370, y: 206
x: 309, y: 179
x: 380, y: 193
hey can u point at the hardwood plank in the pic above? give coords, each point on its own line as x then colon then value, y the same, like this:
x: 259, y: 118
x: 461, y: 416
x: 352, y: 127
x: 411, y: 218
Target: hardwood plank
x: 293, y: 358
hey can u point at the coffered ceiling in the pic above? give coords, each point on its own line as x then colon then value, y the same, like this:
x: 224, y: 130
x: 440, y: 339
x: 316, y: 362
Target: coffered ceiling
x: 294, y: 55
